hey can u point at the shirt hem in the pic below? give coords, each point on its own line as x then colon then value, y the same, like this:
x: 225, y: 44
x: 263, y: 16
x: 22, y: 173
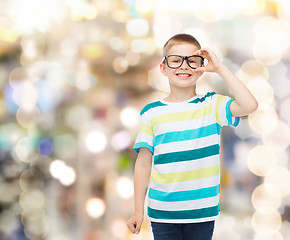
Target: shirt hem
x: 199, y: 220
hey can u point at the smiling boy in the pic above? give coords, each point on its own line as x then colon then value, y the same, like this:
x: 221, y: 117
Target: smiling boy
x: 182, y: 132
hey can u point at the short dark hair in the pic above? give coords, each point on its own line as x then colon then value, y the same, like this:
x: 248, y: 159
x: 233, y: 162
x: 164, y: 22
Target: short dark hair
x: 179, y: 39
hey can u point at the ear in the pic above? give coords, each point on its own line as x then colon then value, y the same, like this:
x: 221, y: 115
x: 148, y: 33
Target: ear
x: 163, y: 69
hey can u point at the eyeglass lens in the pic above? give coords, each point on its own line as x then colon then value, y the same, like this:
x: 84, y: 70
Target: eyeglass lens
x: 176, y: 61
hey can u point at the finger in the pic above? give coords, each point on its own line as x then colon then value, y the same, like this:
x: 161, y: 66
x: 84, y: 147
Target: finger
x: 200, y: 69
x: 132, y: 227
x: 202, y: 51
x: 138, y: 227
x: 205, y: 53
x: 198, y: 52
x: 205, y: 50
x: 205, y: 56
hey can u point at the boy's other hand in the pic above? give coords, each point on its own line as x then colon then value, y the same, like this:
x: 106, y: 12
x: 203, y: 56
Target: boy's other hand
x: 135, y: 222
x: 213, y: 65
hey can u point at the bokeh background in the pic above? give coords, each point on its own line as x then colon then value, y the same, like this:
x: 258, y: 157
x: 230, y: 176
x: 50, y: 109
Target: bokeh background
x: 74, y: 75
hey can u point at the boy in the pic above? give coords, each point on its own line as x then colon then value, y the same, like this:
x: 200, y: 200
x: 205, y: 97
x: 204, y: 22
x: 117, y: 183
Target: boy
x: 182, y: 132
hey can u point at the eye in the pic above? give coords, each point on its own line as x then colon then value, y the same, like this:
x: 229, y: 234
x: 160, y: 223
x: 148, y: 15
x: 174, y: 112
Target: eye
x: 174, y: 60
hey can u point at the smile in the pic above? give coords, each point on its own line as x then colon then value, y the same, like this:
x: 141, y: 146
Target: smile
x: 183, y: 74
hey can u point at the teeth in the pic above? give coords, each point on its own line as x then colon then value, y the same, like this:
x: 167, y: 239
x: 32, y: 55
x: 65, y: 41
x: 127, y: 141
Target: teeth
x: 184, y: 75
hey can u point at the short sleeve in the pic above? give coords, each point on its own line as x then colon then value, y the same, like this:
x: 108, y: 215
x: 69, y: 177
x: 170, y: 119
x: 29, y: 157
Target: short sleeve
x: 145, y: 135
x: 222, y: 111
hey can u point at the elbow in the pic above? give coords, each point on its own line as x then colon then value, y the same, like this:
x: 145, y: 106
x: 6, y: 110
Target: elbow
x: 254, y: 106
x: 248, y: 108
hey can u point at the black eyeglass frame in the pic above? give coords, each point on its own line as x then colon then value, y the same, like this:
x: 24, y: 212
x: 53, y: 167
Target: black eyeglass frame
x: 183, y: 58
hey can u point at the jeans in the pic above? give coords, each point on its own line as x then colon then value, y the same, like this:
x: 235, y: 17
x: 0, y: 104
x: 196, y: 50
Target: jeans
x: 182, y: 231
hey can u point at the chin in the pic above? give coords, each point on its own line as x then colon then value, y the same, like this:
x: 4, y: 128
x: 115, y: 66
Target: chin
x: 184, y: 83
x: 187, y: 84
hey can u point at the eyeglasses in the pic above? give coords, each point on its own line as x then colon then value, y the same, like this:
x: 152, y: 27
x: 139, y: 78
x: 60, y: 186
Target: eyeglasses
x: 175, y: 61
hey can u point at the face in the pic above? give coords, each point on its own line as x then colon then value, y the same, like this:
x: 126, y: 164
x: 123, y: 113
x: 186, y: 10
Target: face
x: 184, y: 76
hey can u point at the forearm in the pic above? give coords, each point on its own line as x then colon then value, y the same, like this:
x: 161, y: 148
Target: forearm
x: 245, y: 102
x: 141, y: 180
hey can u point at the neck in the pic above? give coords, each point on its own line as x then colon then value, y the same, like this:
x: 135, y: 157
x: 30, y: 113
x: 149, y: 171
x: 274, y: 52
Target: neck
x: 180, y: 94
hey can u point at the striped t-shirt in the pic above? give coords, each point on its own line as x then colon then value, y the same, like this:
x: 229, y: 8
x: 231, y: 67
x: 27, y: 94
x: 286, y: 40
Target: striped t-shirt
x: 184, y: 138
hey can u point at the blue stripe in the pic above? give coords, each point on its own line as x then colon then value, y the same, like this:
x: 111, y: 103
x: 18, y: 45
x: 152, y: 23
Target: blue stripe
x: 228, y: 111
x: 219, y: 128
x: 184, y: 195
x: 151, y: 105
x: 186, y: 214
x: 142, y: 144
x: 229, y: 114
x: 197, y: 100
x: 187, y: 134
x: 187, y: 155
x: 237, y: 120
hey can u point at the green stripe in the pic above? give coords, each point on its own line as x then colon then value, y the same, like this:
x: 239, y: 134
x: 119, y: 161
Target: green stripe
x: 186, y: 155
x: 151, y: 105
x: 186, y: 214
x: 203, y: 98
x: 158, y: 103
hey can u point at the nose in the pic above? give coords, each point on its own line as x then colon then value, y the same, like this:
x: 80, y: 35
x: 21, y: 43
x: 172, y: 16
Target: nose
x: 184, y: 65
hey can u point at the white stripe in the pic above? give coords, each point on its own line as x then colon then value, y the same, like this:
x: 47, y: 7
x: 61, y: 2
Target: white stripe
x: 187, y: 145
x: 178, y: 108
x: 184, y: 205
x: 186, y: 185
x: 187, y: 165
x: 186, y: 125
x: 214, y: 101
x: 222, y: 111
x: 144, y: 119
x: 143, y: 137
x: 197, y: 220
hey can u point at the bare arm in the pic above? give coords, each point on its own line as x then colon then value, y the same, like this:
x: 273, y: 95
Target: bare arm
x: 244, y: 102
x: 141, y: 180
